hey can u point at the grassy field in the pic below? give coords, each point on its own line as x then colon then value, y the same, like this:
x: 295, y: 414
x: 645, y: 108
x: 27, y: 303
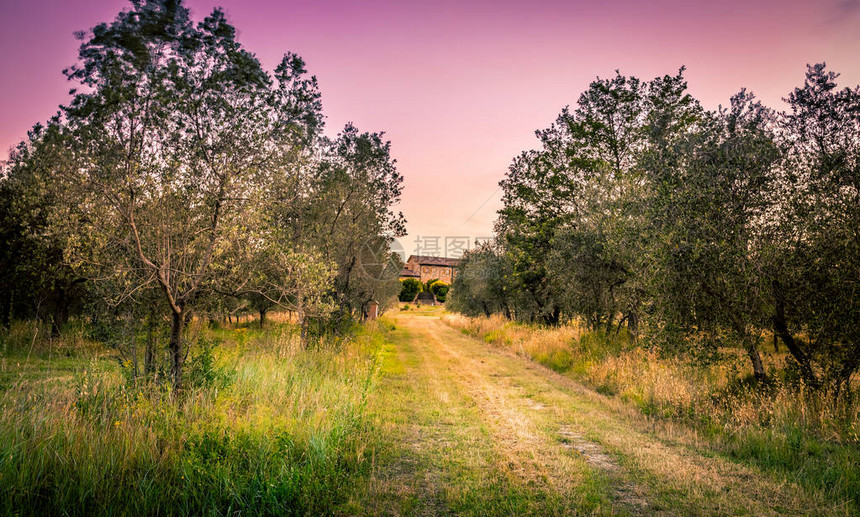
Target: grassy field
x: 780, y: 427
x: 471, y: 428
x: 266, y: 426
x: 420, y: 413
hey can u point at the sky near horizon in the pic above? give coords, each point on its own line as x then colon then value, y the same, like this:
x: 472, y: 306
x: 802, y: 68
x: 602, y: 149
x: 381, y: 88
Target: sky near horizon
x: 459, y: 87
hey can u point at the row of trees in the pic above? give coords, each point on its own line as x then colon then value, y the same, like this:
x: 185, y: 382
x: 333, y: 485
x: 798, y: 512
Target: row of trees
x: 183, y: 178
x: 689, y: 227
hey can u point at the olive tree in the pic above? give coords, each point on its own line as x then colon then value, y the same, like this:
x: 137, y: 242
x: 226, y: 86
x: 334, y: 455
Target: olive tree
x: 174, y: 136
x: 816, y: 243
x: 707, y: 213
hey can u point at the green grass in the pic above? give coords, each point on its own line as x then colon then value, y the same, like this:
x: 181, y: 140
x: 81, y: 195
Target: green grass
x: 830, y: 468
x: 804, y: 438
x: 438, y: 454
x: 266, y: 428
x: 408, y: 419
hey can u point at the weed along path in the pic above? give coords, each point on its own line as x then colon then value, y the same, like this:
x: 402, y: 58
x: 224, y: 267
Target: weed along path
x: 468, y: 429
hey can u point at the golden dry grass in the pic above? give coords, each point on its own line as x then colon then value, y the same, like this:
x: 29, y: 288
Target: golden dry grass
x: 670, y: 386
x: 549, y: 445
x: 780, y: 426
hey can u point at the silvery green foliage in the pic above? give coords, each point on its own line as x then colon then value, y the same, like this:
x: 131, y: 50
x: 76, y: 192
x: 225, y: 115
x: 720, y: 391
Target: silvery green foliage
x: 189, y: 179
x: 689, y: 227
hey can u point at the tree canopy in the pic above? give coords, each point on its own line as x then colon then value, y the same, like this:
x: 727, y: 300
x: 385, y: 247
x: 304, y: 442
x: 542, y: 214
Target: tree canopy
x: 182, y: 175
x: 689, y: 227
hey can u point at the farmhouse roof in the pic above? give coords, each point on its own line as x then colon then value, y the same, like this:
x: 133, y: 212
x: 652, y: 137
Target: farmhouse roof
x: 425, y: 260
x: 408, y: 273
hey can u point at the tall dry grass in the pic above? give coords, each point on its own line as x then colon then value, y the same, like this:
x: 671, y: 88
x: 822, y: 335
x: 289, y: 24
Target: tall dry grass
x: 265, y: 427
x: 779, y: 425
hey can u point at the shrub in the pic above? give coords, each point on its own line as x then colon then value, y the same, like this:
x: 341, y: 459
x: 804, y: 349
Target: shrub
x: 430, y: 282
x: 409, y: 289
x: 439, y: 290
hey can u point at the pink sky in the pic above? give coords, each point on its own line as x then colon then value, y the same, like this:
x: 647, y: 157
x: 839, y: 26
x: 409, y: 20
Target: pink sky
x: 459, y: 87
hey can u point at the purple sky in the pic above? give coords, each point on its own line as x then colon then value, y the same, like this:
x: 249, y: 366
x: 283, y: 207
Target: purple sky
x: 458, y: 86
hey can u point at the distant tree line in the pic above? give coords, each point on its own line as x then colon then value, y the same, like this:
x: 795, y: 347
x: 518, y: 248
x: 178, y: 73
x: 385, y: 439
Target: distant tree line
x: 183, y: 179
x: 643, y: 211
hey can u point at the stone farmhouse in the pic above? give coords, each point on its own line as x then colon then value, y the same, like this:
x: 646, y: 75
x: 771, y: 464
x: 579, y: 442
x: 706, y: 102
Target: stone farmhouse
x: 426, y: 268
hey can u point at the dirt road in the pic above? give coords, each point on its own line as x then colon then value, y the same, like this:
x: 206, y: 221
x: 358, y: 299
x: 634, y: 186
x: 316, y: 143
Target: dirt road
x: 470, y: 429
